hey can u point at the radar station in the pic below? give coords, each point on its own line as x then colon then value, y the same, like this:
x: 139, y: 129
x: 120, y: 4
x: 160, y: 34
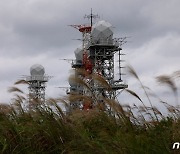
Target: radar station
x: 97, y: 56
x: 37, y: 83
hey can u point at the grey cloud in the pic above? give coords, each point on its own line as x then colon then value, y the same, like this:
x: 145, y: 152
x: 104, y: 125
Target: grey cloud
x: 38, y: 32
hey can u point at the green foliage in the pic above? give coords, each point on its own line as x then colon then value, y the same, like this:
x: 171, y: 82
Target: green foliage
x: 45, y: 131
x: 45, y: 128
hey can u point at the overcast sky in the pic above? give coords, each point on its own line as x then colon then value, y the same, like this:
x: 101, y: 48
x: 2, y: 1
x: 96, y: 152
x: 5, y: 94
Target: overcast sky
x: 37, y: 31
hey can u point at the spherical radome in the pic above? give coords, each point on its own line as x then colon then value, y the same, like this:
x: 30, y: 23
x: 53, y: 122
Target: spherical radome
x: 79, y: 53
x: 102, y: 30
x: 37, y: 70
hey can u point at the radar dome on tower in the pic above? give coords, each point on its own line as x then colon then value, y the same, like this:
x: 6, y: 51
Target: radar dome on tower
x: 79, y: 54
x: 102, y: 33
x: 37, y: 82
x: 37, y: 70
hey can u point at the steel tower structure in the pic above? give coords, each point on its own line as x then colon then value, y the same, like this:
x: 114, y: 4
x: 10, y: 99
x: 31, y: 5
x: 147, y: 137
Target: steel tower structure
x: 37, y: 83
x: 97, y: 56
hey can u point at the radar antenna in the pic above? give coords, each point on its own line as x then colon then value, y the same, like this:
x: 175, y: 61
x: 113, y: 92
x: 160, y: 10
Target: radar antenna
x: 37, y: 83
x: 91, y: 17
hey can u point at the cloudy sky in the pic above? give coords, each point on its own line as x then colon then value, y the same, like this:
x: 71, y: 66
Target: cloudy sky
x: 37, y: 31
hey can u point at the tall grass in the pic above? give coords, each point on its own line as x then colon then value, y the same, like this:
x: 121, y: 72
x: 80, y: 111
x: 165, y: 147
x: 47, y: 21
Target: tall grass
x: 36, y: 127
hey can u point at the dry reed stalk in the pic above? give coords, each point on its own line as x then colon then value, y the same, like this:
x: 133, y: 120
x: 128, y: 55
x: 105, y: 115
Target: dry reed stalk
x: 142, y: 109
x: 168, y: 80
x: 73, y: 98
x: 21, y: 82
x: 34, y: 103
x: 5, y: 108
x: 54, y: 102
x: 158, y: 112
x: 115, y: 106
x: 15, y: 89
x: 164, y: 79
x: 133, y: 73
x: 81, y: 71
x: 20, y: 97
x: 134, y: 94
x: 17, y: 105
x: 176, y: 74
x: 101, y: 81
x: 63, y: 101
x: 81, y: 82
x: 77, y: 80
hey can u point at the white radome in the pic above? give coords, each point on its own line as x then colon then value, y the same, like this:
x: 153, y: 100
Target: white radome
x: 37, y: 70
x: 79, y: 53
x: 102, y: 32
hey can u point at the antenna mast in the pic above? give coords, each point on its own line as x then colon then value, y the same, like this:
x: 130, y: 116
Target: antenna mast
x: 91, y: 17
